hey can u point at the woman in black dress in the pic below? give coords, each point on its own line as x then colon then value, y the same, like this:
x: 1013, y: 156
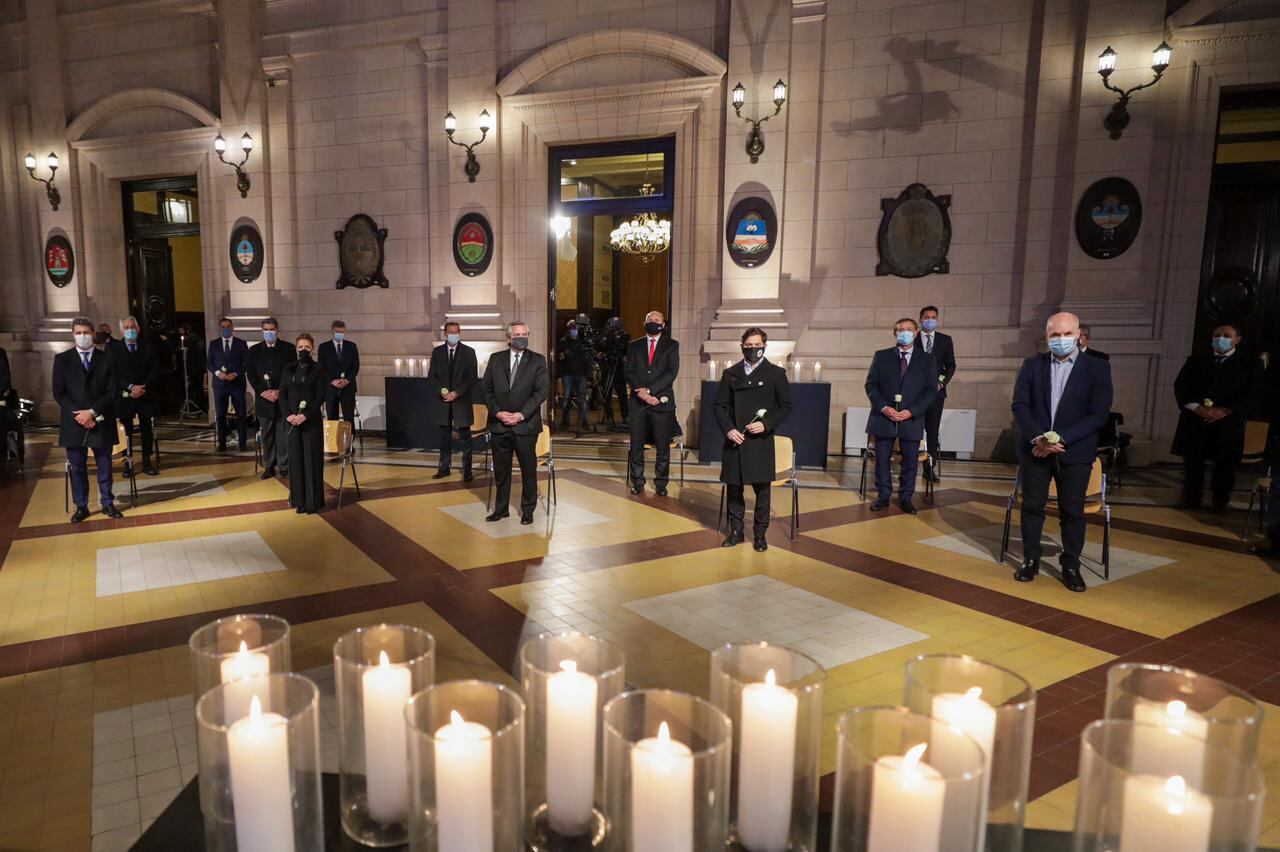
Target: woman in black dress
x: 302, y: 398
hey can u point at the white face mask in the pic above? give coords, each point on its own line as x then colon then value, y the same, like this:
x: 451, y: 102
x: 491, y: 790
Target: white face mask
x: 84, y: 341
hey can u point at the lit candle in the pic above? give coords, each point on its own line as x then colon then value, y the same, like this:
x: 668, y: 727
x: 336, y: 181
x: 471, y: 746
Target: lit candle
x: 1169, y: 740
x: 384, y: 691
x: 906, y: 804
x: 795, y: 372
x: 970, y: 714
x: 817, y: 371
x: 236, y: 667
x: 766, y: 761
x: 711, y: 371
x: 571, y: 749
x: 1164, y: 814
x: 662, y: 794
x: 399, y: 365
x: 464, y: 786
x: 261, y: 792
x: 422, y: 365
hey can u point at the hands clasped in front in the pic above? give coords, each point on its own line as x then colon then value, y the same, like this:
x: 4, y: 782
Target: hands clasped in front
x: 509, y: 418
x: 895, y: 415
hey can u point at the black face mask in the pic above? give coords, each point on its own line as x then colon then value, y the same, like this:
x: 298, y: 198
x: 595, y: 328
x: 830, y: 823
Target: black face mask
x: 653, y: 327
x: 752, y: 353
x: 304, y: 355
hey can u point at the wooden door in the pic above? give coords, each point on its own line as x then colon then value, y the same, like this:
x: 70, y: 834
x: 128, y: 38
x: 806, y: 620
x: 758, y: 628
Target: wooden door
x: 642, y: 288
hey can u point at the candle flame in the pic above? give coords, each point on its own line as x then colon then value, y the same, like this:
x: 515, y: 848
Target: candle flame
x: 1176, y: 787
x: 912, y: 758
x: 244, y: 648
x: 1177, y: 708
x: 973, y: 694
x: 771, y: 679
x: 383, y: 659
x: 664, y: 733
x: 455, y: 718
x: 255, y: 710
x: 568, y: 666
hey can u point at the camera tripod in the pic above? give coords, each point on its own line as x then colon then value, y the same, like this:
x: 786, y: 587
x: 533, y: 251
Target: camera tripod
x: 189, y: 407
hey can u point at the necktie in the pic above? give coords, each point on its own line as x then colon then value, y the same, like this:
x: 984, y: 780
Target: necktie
x: 902, y: 365
x: 133, y: 347
x: 451, y: 361
x: 339, y: 350
x: 652, y: 345
x: 1218, y: 359
x: 226, y: 345
x: 928, y: 343
x: 515, y: 368
x: 84, y: 356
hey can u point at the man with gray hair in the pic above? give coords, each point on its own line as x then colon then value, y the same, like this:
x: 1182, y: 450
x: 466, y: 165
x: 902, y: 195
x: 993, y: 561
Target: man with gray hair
x: 137, y: 370
x: 516, y: 383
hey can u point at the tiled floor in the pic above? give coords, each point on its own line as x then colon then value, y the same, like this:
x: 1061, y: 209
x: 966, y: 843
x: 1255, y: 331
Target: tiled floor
x: 95, y: 705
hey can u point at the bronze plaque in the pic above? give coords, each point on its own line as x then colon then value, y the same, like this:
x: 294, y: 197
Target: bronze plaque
x: 915, y: 233
x: 360, y: 253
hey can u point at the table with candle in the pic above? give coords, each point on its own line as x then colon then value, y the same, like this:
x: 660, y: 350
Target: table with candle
x: 411, y: 406
x: 807, y: 426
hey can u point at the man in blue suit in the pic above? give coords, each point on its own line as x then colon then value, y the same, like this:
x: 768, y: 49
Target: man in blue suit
x: 901, y: 385
x: 1060, y: 401
x: 228, y: 357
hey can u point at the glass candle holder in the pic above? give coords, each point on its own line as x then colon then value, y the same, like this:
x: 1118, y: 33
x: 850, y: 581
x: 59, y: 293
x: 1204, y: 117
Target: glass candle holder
x: 667, y: 757
x: 237, y: 647
x: 1123, y: 807
x: 1182, y: 708
x: 712, y: 376
x: 817, y: 371
x: 905, y: 782
x: 376, y: 669
x: 567, y: 678
x: 795, y: 372
x: 773, y: 696
x: 466, y: 768
x: 399, y: 365
x: 997, y: 708
x: 260, y: 767
x: 423, y: 365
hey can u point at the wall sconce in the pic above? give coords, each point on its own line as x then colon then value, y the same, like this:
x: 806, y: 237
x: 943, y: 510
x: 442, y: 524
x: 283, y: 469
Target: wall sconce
x: 55, y: 197
x: 1118, y: 118
x: 246, y: 145
x: 451, y: 124
x: 560, y: 226
x: 755, y: 141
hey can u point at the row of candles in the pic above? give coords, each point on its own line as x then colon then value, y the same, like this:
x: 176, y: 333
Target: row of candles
x: 412, y: 367
x: 797, y: 370
x: 574, y: 760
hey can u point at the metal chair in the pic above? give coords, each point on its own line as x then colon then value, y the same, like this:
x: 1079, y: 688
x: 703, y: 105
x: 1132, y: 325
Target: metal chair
x: 480, y: 430
x: 921, y: 457
x: 784, y: 458
x: 543, y: 451
x: 1255, y: 452
x: 339, y: 441
x: 677, y: 444
x: 1112, y: 444
x: 1095, y: 502
x: 355, y: 410
x: 258, y: 461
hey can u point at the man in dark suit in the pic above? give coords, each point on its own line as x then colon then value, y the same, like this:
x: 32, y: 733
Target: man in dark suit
x: 573, y: 358
x: 228, y: 358
x: 516, y: 384
x: 1060, y: 401
x: 137, y: 370
x: 266, y: 363
x: 453, y: 367
x: 84, y: 386
x: 340, y: 361
x: 1214, y: 390
x: 1086, y: 338
x: 901, y: 384
x: 653, y: 362
x: 943, y: 350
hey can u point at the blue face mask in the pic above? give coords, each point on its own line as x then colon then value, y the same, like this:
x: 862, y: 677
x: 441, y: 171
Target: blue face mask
x: 1062, y: 346
x: 130, y: 334
x: 573, y: 333
x: 905, y: 338
x: 227, y: 332
x: 1222, y: 344
x: 338, y: 337
x: 929, y: 324
x: 453, y: 339
x: 268, y: 335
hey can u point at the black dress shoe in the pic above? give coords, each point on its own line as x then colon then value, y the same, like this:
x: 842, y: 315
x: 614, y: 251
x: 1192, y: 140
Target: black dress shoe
x: 467, y: 477
x: 81, y: 513
x: 637, y: 489
x: 1027, y: 571
x: 127, y: 473
x: 1072, y: 580
x: 661, y: 492
x: 302, y: 510
x: 760, y: 544
x: 907, y: 506
x: 440, y: 474
x: 734, y: 539
x: 497, y: 516
x: 269, y: 473
x: 879, y: 505
x: 111, y: 511
x: 150, y: 469
x: 525, y: 520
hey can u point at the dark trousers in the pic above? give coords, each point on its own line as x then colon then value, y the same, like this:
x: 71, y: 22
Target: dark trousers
x: 1072, y: 481
x: 144, y: 426
x: 346, y: 398
x: 884, y: 468
x: 656, y: 427
x: 523, y: 446
x: 230, y: 392
x: 575, y: 384
x: 446, y: 446
x: 274, y: 440
x: 1273, y: 510
x: 306, y: 466
x: 932, y: 426
x: 79, y: 459
x: 1210, y: 444
x: 738, y: 507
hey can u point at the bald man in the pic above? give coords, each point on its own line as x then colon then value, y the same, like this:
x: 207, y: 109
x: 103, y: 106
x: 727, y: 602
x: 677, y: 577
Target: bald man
x: 1060, y: 401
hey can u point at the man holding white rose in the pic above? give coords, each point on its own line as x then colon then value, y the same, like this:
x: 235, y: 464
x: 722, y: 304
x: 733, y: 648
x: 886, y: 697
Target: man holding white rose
x: 653, y: 362
x: 902, y: 384
x: 84, y: 386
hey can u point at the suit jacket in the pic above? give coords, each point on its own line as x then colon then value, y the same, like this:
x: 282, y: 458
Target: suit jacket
x: 660, y: 376
x: 235, y: 361
x: 1232, y: 384
x: 1097, y: 353
x: 532, y: 384
x: 574, y: 356
x: 944, y: 356
x: 75, y: 389
x: 303, y: 384
x: 918, y: 388
x: 462, y: 378
x: 140, y: 367
x: 346, y: 367
x: 265, y: 367
x: 1082, y: 411
x: 738, y: 401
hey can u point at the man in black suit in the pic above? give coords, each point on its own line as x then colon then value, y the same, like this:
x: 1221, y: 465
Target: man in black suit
x: 1086, y: 337
x: 453, y: 367
x: 340, y: 361
x: 653, y: 362
x: 901, y: 384
x: 137, y: 369
x: 516, y: 384
x: 1060, y: 401
x: 1214, y: 390
x: 84, y: 386
x: 943, y: 350
x: 574, y: 357
x: 266, y: 363
x: 228, y: 358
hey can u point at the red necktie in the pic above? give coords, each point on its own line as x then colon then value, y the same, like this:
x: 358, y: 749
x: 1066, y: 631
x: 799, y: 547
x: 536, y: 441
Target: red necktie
x: 652, y: 343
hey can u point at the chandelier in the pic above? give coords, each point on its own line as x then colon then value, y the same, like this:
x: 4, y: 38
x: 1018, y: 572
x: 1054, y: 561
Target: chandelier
x: 644, y: 236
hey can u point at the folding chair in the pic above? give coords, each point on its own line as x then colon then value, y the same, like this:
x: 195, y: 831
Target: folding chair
x: 870, y: 454
x: 480, y: 430
x: 339, y: 441
x: 784, y: 458
x: 122, y: 450
x: 1255, y: 452
x: 677, y: 444
x: 544, y: 459
x: 258, y: 461
x: 355, y: 410
x: 155, y: 440
x: 1095, y: 503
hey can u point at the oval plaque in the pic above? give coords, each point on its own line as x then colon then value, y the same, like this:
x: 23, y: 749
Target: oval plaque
x: 751, y: 232
x: 472, y: 244
x: 247, y: 253
x: 915, y: 233
x: 360, y: 253
x: 59, y: 260
x: 1108, y: 218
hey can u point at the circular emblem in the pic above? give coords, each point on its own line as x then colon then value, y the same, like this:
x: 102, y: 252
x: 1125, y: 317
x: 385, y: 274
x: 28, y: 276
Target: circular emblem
x: 472, y: 244
x: 751, y: 232
x: 1108, y: 218
x: 247, y: 253
x: 59, y: 260
x: 360, y: 253
x: 915, y: 233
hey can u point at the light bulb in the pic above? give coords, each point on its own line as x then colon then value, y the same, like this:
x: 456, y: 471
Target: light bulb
x: 486, y: 121
x: 30, y: 162
x: 1160, y: 57
x: 739, y: 95
x: 779, y: 92
x: 450, y: 123
x: 246, y: 142
x: 1106, y: 62
x: 219, y: 144
x: 51, y: 161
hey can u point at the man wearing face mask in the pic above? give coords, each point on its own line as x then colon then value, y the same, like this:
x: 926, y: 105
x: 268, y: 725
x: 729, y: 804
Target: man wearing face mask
x: 1213, y: 390
x: 302, y: 391
x: 453, y: 367
x: 1060, y: 401
x: 340, y: 360
x: 943, y: 350
x: 753, y: 400
x: 574, y: 357
x: 227, y: 360
x: 516, y: 384
x: 901, y: 384
x: 85, y: 386
x: 137, y: 369
x: 1086, y: 343
x: 653, y: 362
x: 267, y: 361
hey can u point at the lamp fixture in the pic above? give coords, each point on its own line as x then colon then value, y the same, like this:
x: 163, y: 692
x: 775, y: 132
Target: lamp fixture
x: 1118, y: 117
x: 242, y: 177
x: 472, y: 167
x: 560, y: 226
x: 644, y: 236
x: 755, y: 141
x: 51, y: 161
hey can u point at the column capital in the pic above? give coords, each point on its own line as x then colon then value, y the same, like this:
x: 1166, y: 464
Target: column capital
x: 278, y: 70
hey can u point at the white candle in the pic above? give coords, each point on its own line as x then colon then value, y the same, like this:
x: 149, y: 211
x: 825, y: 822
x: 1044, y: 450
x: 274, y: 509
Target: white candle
x: 571, y: 749
x: 236, y: 667
x: 261, y: 789
x: 422, y: 364
x: 711, y: 371
x: 384, y: 691
x: 817, y: 371
x: 399, y: 365
x: 969, y: 714
x: 906, y: 804
x: 1169, y: 740
x: 661, y: 794
x: 1164, y: 814
x: 766, y: 763
x: 464, y: 786
x: 795, y: 372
